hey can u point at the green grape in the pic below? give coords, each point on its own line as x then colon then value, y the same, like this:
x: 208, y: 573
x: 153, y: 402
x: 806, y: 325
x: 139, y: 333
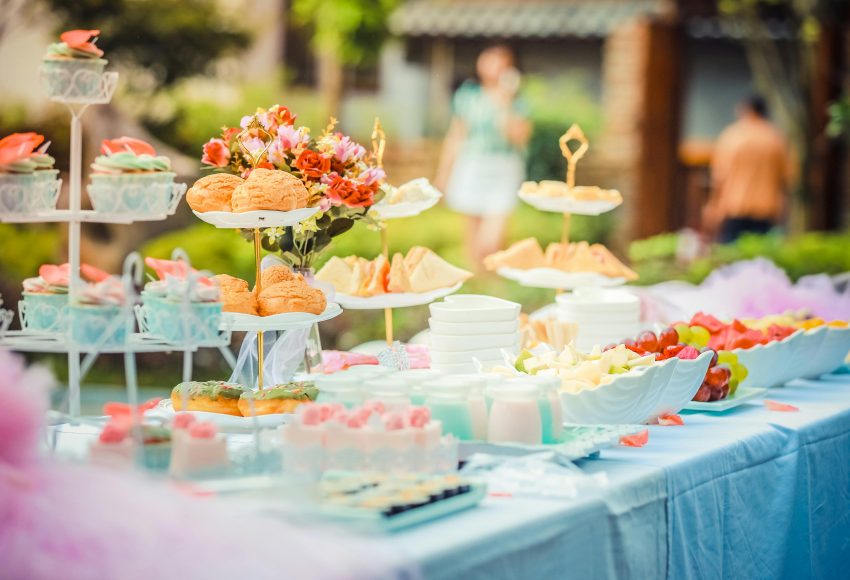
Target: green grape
x: 742, y: 372
x: 699, y: 337
x: 727, y: 357
x: 684, y: 332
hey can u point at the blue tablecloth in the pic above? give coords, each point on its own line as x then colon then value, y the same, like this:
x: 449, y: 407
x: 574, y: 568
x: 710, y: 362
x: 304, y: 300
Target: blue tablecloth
x: 749, y: 493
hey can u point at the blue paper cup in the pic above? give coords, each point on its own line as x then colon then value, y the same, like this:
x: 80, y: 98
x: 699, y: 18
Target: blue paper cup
x: 164, y: 318
x: 139, y: 194
x: 48, y: 312
x: 73, y: 79
x: 156, y: 456
x: 92, y: 323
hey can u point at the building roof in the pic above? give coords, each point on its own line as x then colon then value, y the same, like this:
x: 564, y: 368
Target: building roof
x: 517, y: 19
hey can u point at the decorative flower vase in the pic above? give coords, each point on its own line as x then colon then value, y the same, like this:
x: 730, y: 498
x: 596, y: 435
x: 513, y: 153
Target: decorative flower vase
x: 48, y: 312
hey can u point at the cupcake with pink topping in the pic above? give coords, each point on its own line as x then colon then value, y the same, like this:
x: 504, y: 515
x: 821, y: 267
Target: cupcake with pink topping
x: 28, y: 182
x: 130, y: 178
x: 45, y: 297
x: 99, y: 317
x: 72, y: 69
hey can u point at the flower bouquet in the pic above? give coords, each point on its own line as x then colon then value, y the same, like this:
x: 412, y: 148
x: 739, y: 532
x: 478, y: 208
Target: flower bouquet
x: 341, y: 178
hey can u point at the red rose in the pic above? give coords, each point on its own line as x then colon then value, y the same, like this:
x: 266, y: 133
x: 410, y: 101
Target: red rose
x: 216, y: 153
x: 312, y: 164
x: 344, y: 191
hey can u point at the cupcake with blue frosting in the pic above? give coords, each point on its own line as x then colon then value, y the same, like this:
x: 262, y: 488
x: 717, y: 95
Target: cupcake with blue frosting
x: 129, y: 177
x: 72, y: 69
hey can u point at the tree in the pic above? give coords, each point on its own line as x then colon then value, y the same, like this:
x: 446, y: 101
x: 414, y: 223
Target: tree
x: 344, y: 32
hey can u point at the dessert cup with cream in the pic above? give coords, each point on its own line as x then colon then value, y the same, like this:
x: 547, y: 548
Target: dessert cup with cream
x: 162, y: 303
x: 130, y: 178
x: 73, y: 68
x: 45, y: 297
x: 28, y: 182
x: 97, y: 318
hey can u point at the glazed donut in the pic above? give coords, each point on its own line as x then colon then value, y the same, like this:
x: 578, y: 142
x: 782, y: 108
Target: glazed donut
x: 279, y: 399
x: 210, y: 396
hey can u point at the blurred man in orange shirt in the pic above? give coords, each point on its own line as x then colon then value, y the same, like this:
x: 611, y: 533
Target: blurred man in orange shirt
x: 750, y: 170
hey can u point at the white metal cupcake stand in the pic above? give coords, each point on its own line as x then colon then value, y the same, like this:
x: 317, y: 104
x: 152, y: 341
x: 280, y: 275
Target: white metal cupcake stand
x: 57, y: 341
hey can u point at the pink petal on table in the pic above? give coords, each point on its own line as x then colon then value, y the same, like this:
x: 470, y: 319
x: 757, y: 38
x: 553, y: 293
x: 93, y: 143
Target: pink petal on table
x: 670, y: 420
x: 636, y: 440
x: 781, y: 407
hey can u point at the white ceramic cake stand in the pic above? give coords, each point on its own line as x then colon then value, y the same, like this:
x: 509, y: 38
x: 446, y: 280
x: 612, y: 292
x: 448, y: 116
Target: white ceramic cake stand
x: 256, y: 219
x: 555, y: 279
x: 237, y: 321
x: 394, y: 300
x: 568, y: 205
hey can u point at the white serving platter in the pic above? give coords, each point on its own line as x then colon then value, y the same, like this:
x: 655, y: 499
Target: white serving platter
x: 394, y: 300
x: 558, y: 279
x: 228, y: 423
x: 256, y: 219
x: 742, y: 395
x: 237, y: 321
x: 560, y: 204
x: 404, y: 209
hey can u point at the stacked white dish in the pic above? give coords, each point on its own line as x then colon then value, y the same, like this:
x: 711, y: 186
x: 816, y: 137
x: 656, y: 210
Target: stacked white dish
x: 603, y: 316
x: 469, y: 326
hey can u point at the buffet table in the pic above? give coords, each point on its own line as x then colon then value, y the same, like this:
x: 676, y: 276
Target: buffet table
x: 750, y: 493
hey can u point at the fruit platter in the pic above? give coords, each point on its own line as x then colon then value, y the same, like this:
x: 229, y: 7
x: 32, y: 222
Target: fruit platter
x: 618, y: 385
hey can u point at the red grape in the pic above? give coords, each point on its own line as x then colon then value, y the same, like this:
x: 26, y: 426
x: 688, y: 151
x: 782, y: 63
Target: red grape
x: 713, y: 362
x: 703, y: 394
x: 648, y: 341
x: 627, y: 342
x: 718, y: 376
x: 688, y: 353
x: 667, y: 337
x: 609, y: 347
x: 636, y: 349
x: 723, y: 392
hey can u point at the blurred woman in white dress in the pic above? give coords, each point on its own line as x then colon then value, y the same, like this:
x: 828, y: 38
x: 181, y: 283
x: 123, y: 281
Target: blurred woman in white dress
x: 482, y: 164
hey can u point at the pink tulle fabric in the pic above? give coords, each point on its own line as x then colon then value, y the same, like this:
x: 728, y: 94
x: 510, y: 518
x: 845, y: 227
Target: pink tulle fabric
x: 746, y: 289
x: 67, y: 521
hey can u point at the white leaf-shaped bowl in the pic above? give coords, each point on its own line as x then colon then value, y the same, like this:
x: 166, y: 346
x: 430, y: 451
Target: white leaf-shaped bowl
x: 627, y: 399
x: 833, y: 351
x: 804, y: 360
x: 687, y: 378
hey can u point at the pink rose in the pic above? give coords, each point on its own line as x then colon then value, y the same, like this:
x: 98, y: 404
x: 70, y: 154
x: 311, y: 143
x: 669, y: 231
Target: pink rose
x: 372, y: 175
x: 216, y: 153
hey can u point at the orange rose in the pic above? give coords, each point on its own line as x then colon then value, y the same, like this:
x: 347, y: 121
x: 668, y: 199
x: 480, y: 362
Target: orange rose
x: 216, y: 153
x: 344, y: 191
x: 312, y: 164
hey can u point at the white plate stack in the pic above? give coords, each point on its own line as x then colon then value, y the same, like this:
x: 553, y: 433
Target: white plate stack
x: 469, y: 326
x: 603, y: 316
